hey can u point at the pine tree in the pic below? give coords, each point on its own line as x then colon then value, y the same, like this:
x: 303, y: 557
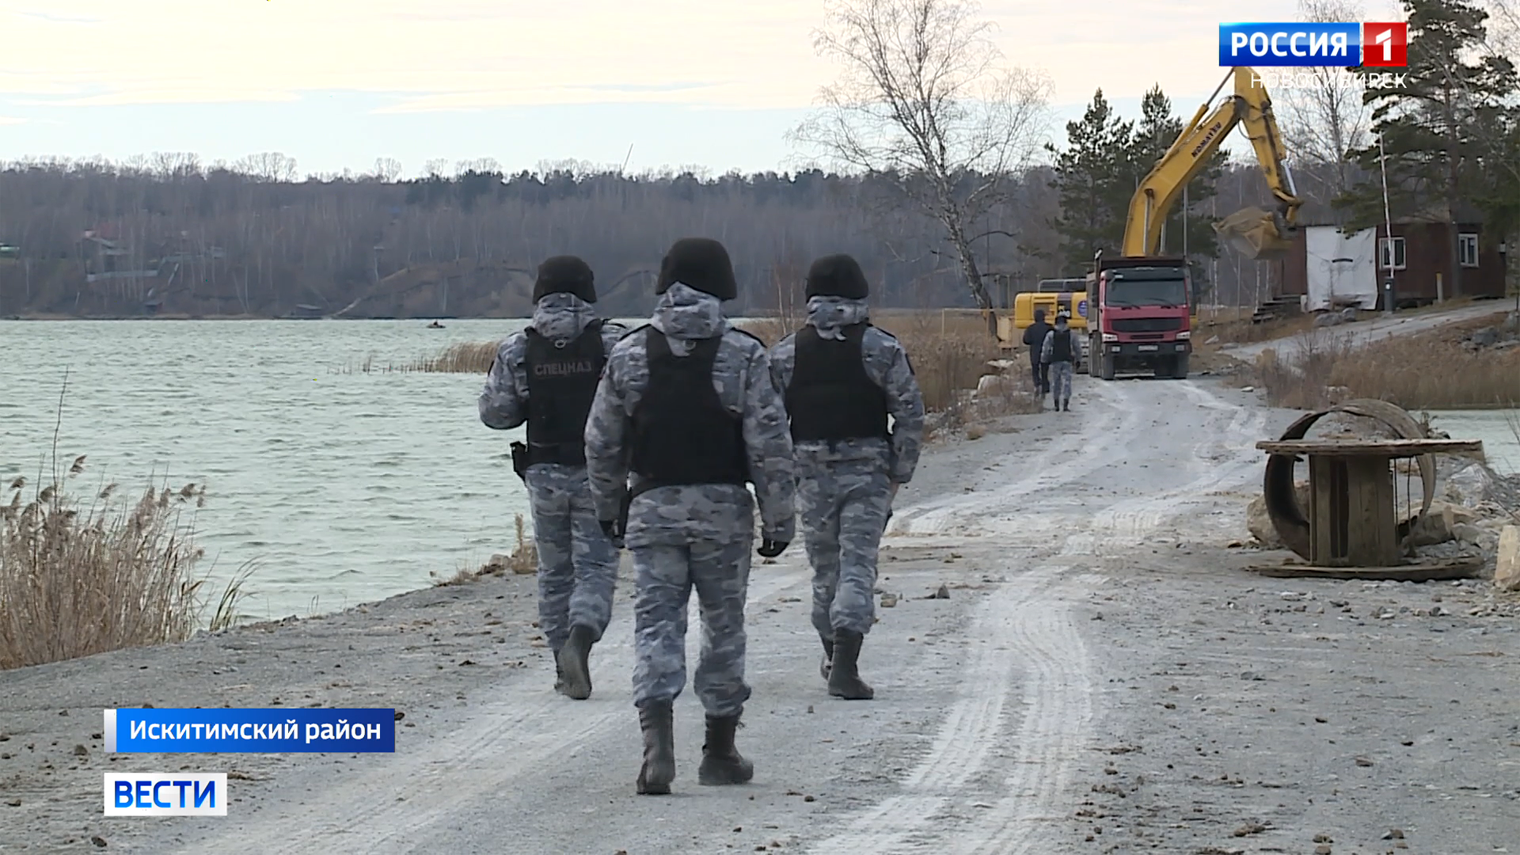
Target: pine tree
x: 1095, y: 184
x: 1440, y: 125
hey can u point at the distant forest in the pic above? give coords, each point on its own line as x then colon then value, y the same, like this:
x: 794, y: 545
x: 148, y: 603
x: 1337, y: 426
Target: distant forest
x: 170, y: 237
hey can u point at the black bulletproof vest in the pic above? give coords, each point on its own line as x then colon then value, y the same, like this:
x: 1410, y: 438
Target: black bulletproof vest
x: 830, y: 396
x: 1060, y: 348
x: 561, y: 384
x: 682, y: 434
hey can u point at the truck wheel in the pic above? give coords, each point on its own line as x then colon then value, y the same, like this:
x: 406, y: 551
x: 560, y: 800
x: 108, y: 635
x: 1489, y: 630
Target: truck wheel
x: 1180, y: 367
x: 1107, y: 367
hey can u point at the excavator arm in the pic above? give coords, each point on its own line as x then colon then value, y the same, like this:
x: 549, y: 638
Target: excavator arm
x: 1255, y: 232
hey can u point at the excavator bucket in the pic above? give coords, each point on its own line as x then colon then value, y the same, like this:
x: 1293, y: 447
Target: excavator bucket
x: 1255, y: 233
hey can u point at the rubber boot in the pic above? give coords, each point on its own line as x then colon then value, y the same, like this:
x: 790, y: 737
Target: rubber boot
x: 573, y: 661
x: 844, y: 677
x: 559, y: 674
x: 721, y: 762
x: 828, y: 657
x: 659, y: 769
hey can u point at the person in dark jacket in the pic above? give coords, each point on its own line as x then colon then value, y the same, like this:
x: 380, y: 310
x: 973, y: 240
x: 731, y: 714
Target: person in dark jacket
x: 1034, y: 339
x: 685, y: 417
x: 1060, y: 352
x: 843, y: 380
x: 546, y: 376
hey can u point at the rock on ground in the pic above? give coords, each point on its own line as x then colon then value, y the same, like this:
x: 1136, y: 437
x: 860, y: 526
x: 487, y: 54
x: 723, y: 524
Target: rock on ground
x: 1259, y: 523
x: 1507, y: 563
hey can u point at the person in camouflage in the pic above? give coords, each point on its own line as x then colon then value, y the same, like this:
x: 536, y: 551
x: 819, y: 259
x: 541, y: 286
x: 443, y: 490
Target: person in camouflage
x: 842, y: 378
x: 546, y: 375
x: 685, y: 415
x: 1061, y: 349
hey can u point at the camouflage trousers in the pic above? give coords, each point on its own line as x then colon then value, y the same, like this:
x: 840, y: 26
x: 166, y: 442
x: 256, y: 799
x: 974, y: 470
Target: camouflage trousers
x: 842, y: 506
x: 1061, y: 374
x: 665, y: 577
x: 577, y: 564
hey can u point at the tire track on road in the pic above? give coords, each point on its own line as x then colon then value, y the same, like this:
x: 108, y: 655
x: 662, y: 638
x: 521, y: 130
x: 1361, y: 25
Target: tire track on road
x: 958, y: 753
x: 503, y: 740
x: 1030, y: 820
x: 1030, y: 630
x: 1058, y: 715
x: 975, y: 514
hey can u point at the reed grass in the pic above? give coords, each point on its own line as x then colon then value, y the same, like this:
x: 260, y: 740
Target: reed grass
x: 86, y: 576
x: 470, y: 357
x: 1426, y: 371
x: 522, y: 561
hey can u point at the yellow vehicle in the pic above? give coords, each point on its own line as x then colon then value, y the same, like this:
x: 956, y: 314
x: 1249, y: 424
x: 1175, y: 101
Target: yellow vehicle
x: 1052, y: 295
x: 1254, y: 232
x: 1141, y: 306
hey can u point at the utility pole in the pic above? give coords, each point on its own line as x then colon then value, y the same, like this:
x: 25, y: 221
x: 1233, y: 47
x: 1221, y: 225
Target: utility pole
x: 1388, y: 225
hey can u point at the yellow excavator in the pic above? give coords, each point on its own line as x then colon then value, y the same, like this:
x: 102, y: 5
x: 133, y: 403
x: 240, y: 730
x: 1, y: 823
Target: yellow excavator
x: 1256, y: 233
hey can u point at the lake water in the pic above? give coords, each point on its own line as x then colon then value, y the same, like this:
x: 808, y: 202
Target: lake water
x: 345, y: 486
x: 1495, y: 428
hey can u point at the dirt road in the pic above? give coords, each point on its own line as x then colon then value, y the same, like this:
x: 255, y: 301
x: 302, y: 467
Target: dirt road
x: 1380, y: 327
x: 1103, y: 676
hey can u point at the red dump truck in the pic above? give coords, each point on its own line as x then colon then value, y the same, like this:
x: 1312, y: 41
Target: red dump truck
x: 1138, y: 316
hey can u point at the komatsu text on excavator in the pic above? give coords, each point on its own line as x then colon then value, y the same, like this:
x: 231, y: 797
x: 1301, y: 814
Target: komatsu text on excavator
x: 1140, y: 307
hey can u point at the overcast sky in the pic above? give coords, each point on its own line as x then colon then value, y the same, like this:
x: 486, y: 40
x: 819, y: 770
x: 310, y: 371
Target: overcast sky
x: 336, y: 84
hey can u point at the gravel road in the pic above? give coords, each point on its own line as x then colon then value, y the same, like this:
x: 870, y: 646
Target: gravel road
x: 1072, y: 658
x: 1377, y: 328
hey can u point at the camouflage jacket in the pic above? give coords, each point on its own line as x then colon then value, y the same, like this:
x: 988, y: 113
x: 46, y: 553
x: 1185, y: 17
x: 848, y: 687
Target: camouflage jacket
x: 558, y: 317
x: 886, y: 363
x: 741, y: 375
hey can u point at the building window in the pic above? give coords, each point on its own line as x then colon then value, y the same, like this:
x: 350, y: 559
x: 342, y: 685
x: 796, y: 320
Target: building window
x: 1391, y: 253
x: 1467, y: 250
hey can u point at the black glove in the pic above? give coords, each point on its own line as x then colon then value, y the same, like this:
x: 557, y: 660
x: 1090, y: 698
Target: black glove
x: 772, y: 548
x: 613, y: 531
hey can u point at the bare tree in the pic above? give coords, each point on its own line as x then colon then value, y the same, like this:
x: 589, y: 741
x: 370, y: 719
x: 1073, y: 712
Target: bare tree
x: 923, y: 96
x: 1504, y: 27
x: 268, y: 166
x: 1326, y: 119
x: 481, y: 165
x: 387, y: 169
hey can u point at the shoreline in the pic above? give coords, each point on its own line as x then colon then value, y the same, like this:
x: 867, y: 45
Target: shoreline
x: 429, y: 653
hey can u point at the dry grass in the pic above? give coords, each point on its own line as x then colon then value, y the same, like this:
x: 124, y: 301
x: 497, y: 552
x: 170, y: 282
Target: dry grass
x: 1243, y: 331
x: 463, y: 358
x: 1428, y: 371
x: 522, y: 561
x: 79, y: 578
x: 470, y: 357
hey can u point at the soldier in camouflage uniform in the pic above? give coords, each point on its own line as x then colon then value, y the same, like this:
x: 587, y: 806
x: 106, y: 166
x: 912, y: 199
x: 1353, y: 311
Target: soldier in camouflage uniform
x: 546, y: 375
x: 1059, y: 351
x: 842, y: 378
x: 686, y: 414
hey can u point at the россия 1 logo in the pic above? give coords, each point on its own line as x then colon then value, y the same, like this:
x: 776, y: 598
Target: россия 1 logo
x: 1370, y: 45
